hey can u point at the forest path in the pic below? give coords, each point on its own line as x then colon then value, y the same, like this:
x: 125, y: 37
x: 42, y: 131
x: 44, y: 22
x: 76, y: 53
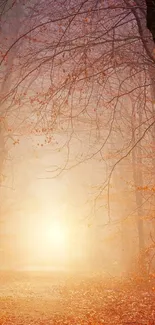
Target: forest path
x: 53, y: 298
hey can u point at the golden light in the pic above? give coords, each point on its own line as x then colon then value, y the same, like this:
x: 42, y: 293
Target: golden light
x: 45, y: 241
x: 49, y: 239
x: 54, y: 234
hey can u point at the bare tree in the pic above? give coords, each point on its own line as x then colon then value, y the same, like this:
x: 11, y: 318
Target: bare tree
x: 72, y: 64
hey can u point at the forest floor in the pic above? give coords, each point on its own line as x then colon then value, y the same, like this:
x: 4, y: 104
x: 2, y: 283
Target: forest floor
x: 52, y: 299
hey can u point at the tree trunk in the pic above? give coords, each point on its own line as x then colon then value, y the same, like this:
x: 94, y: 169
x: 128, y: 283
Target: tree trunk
x: 138, y: 182
x: 12, y: 9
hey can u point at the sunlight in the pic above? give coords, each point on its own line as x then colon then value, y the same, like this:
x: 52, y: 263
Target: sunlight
x: 55, y: 234
x: 51, y: 239
x: 48, y: 239
x: 44, y: 240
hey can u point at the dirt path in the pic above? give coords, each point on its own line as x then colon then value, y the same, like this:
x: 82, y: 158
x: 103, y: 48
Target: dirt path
x: 51, y: 299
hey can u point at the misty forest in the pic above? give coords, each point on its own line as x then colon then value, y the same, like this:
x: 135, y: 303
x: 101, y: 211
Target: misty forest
x: 77, y: 162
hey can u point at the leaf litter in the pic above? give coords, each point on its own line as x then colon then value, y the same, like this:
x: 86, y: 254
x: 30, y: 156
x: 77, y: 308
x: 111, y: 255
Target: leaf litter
x: 50, y: 299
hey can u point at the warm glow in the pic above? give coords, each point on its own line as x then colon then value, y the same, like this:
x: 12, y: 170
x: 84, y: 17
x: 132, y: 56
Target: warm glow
x: 51, y: 238
x: 55, y: 234
x: 46, y: 241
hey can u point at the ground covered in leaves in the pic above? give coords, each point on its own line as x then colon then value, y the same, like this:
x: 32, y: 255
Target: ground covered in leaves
x: 52, y: 299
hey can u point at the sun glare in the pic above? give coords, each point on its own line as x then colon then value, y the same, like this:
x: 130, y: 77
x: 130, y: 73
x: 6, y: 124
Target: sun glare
x: 50, y: 241
x: 46, y: 241
x: 55, y: 235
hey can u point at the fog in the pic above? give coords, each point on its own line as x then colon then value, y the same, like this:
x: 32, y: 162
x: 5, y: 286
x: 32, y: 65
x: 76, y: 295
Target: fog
x: 77, y: 137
